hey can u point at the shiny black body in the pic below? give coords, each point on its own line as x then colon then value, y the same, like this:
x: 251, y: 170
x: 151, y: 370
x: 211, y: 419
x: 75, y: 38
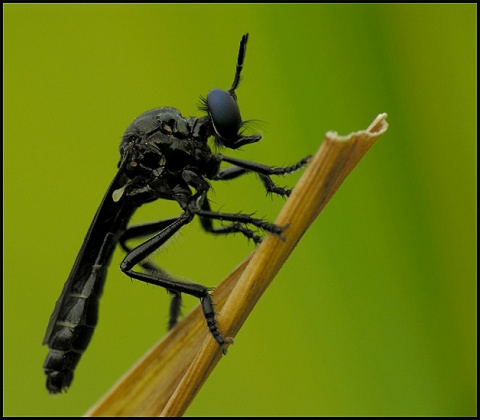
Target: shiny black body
x: 163, y: 156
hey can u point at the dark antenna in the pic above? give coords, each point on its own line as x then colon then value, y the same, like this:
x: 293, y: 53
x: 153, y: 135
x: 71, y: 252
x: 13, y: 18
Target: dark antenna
x: 240, y: 60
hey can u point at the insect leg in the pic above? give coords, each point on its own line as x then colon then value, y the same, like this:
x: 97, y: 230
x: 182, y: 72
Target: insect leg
x: 233, y: 172
x: 175, y: 308
x: 259, y: 168
x: 170, y: 283
x: 242, y: 166
x: 143, y: 230
x: 197, y: 201
x: 271, y: 187
x: 146, y: 229
x: 240, y: 218
x: 207, y: 224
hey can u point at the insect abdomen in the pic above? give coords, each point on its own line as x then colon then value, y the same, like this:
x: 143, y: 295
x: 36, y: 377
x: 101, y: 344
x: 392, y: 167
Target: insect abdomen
x: 72, y: 331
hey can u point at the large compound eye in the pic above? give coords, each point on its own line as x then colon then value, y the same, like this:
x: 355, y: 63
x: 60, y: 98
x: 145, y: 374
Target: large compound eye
x: 225, y: 114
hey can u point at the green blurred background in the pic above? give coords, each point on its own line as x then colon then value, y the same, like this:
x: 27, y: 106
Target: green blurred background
x: 375, y: 312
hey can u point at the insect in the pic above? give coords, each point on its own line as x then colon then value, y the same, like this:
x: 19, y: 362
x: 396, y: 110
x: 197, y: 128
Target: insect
x: 163, y: 156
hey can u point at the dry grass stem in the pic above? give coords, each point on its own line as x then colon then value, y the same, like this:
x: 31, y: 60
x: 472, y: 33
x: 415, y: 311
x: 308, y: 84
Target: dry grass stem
x: 167, y: 379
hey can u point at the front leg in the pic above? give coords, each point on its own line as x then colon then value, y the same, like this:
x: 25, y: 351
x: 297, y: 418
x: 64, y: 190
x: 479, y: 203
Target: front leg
x: 260, y: 168
x: 242, y: 167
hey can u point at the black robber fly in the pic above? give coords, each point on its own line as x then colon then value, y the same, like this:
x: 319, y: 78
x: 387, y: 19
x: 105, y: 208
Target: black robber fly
x: 163, y: 156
